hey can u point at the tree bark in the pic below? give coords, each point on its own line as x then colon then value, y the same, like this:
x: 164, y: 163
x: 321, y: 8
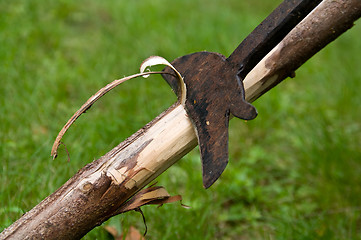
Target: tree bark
x: 98, y: 190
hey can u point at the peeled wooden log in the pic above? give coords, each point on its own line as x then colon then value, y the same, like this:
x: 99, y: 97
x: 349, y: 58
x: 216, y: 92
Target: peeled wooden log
x: 100, y: 189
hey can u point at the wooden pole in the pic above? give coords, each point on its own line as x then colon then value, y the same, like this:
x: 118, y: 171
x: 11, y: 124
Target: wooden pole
x: 99, y: 190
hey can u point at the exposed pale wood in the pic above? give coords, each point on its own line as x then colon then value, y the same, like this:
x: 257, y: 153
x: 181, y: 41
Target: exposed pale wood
x: 98, y: 190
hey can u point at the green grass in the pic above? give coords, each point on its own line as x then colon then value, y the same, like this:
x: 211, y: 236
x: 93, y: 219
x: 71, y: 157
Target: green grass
x: 294, y: 171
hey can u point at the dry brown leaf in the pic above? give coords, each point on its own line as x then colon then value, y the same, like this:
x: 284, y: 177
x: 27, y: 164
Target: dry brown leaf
x: 155, y: 195
x: 132, y: 234
x: 112, y: 231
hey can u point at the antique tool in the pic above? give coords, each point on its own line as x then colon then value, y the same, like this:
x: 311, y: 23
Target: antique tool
x: 215, y: 88
x: 103, y: 187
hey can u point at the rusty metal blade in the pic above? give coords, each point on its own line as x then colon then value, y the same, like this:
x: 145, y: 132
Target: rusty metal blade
x: 215, y: 88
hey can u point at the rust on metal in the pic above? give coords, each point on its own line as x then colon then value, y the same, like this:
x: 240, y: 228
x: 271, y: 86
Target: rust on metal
x: 215, y: 88
x: 214, y: 91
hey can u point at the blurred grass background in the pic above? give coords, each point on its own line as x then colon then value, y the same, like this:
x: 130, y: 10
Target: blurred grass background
x: 294, y: 171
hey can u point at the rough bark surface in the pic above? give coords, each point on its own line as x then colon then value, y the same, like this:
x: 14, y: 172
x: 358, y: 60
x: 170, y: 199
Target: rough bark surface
x: 98, y: 190
x: 323, y: 25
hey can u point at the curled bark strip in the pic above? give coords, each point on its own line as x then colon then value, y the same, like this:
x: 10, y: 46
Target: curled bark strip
x: 88, y: 104
x: 156, y: 60
x: 151, y: 61
x: 153, y: 195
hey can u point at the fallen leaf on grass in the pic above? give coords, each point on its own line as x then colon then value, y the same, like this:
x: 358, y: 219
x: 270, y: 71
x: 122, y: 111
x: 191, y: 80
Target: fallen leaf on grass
x: 112, y: 231
x: 131, y: 234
